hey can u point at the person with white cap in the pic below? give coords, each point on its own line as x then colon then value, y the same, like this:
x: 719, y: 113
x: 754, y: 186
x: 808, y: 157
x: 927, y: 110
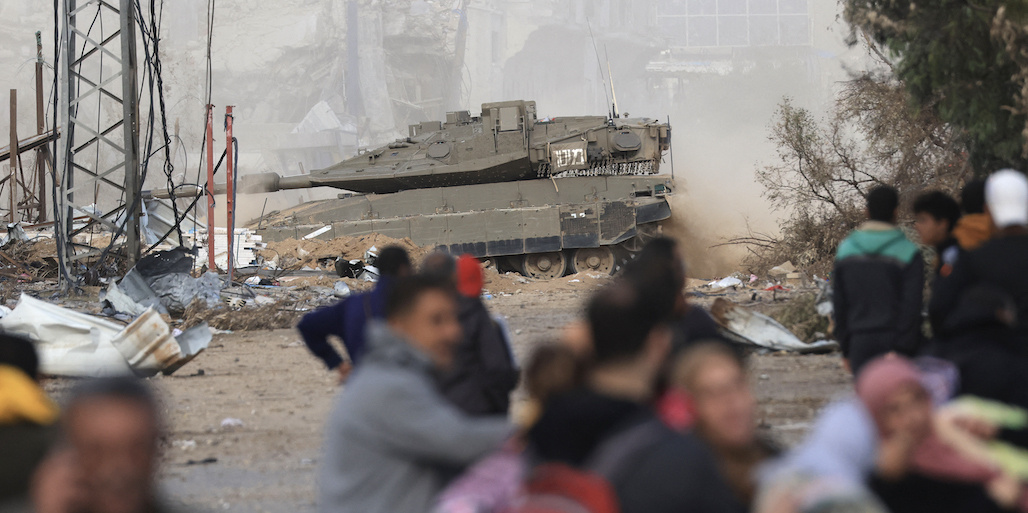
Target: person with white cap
x: 1000, y: 262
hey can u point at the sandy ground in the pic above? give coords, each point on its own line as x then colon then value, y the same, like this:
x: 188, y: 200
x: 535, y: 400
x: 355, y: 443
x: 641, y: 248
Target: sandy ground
x: 282, y: 395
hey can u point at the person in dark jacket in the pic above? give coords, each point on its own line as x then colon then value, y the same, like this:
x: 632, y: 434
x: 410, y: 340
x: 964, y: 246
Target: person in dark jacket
x: 878, y: 281
x: 999, y: 262
x: 348, y: 319
x: 483, y: 373
x: 607, y: 426
x: 935, y: 215
x: 978, y: 338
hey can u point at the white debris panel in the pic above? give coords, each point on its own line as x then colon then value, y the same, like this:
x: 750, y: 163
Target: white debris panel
x: 75, y: 344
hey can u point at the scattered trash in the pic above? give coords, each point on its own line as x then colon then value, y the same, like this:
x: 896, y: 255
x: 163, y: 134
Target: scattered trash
x: 779, y: 272
x: 75, y: 344
x: 725, y: 283
x: 185, y: 445
x: 753, y: 278
x: 253, y: 281
x: 576, y: 280
x: 760, y: 330
x: 14, y: 233
x: 231, y: 422
x: 371, y: 255
x: 370, y: 273
x: 162, y: 281
x: 341, y: 289
x: 205, y: 461
x: 317, y: 232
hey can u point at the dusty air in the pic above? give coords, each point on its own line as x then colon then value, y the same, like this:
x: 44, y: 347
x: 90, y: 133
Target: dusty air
x: 513, y: 256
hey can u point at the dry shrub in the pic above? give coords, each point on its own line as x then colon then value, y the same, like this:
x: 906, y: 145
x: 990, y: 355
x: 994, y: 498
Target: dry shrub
x: 826, y: 167
x: 800, y: 316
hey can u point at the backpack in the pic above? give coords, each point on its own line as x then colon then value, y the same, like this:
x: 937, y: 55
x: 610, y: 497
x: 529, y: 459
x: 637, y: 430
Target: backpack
x: 559, y: 488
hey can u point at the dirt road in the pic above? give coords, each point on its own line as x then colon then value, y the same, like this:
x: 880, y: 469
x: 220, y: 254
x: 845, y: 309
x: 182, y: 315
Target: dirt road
x: 246, y: 417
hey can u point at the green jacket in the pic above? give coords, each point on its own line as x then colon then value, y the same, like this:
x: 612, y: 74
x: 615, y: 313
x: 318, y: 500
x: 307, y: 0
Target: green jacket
x: 878, y: 285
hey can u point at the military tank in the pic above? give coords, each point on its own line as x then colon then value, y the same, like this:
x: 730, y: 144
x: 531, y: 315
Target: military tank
x: 546, y: 197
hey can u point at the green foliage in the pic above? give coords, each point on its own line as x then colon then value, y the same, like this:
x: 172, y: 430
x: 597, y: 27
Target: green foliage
x: 950, y: 60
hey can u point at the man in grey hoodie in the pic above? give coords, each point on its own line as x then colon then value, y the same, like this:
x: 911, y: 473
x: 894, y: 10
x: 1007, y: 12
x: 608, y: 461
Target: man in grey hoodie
x: 392, y: 439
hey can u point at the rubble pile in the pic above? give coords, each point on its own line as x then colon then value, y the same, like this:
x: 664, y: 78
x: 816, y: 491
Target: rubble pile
x: 255, y: 318
x: 311, y: 254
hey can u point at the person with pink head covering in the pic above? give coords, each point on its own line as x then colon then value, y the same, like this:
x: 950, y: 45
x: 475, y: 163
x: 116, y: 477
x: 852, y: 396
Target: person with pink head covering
x: 879, y: 451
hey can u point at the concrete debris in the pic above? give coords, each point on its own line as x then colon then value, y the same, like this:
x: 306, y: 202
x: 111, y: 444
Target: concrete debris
x: 315, y: 253
x: 760, y: 330
x: 75, y: 344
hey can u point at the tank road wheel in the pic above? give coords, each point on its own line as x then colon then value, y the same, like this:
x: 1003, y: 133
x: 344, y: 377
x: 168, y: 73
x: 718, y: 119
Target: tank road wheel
x: 544, y: 266
x: 593, y: 260
x: 646, y: 233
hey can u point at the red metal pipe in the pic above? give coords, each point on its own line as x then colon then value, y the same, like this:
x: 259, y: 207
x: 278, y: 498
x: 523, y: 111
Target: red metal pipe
x: 230, y: 179
x: 210, y: 189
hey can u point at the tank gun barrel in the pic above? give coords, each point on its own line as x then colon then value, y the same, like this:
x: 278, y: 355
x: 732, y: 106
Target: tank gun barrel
x: 248, y: 184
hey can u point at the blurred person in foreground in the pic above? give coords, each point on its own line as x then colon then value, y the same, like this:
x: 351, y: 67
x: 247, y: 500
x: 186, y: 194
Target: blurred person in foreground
x: 483, y: 373
x: 392, y: 439
x: 27, y: 420
x: 999, y: 262
x: 348, y: 319
x: 978, y: 337
x: 935, y: 215
x: 109, y: 459
x: 879, y: 452
x: 712, y: 377
x: 660, y: 270
x: 878, y: 281
x: 975, y: 226
x: 607, y: 427
x: 494, y: 484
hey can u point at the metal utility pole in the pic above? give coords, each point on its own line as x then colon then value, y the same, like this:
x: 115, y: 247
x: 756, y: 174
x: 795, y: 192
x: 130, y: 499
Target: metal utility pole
x: 210, y: 189
x: 98, y: 164
x: 41, y: 153
x: 230, y: 202
x: 15, y: 155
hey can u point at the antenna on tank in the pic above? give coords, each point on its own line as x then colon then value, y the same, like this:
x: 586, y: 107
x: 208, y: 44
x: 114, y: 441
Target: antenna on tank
x: 599, y: 63
x: 610, y: 77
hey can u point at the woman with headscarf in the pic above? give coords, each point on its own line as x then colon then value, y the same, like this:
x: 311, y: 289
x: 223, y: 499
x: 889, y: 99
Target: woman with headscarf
x: 878, y: 441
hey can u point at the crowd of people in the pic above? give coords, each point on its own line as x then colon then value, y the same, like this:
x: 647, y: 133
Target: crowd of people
x: 641, y: 406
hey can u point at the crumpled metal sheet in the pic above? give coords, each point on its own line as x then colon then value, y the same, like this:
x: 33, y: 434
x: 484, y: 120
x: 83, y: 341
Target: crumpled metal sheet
x: 761, y: 330
x: 75, y: 344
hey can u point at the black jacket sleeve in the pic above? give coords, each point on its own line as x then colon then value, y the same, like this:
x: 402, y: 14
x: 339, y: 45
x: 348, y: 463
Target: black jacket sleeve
x: 500, y: 374
x: 840, y: 309
x: 947, y: 292
x: 911, y: 304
